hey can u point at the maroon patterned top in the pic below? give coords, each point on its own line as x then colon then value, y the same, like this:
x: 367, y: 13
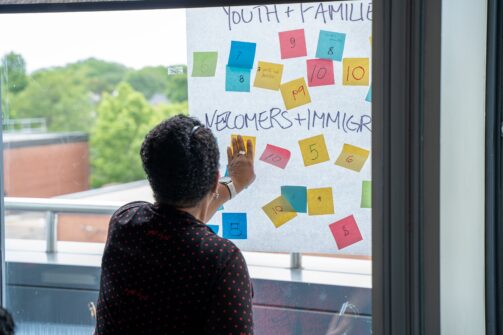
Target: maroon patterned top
x: 164, y: 272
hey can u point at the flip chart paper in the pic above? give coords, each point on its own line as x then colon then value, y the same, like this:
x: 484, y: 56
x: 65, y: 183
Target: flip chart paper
x: 355, y: 71
x: 214, y: 228
x: 352, y: 157
x: 366, y: 194
x: 245, y: 140
x: 292, y: 43
x: 237, y: 79
x: 204, y: 63
x: 234, y: 226
x: 242, y: 54
x: 268, y: 75
x: 320, y: 201
x: 320, y: 72
x: 276, y: 156
x: 296, y: 196
x: 295, y: 93
x: 314, y: 150
x: 279, y: 211
x: 368, y: 98
x: 346, y: 232
x: 330, y: 45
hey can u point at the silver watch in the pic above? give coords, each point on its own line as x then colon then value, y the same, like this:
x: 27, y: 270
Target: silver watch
x: 227, y: 182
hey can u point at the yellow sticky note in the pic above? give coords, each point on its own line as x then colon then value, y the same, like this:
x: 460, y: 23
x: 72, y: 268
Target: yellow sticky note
x: 355, y: 71
x: 295, y: 93
x: 268, y: 75
x: 279, y: 211
x: 314, y: 150
x: 352, y: 157
x: 320, y: 201
x: 245, y: 139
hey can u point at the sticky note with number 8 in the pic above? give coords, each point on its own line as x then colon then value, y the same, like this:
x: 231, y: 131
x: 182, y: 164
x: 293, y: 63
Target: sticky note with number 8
x: 237, y: 79
x: 352, y: 157
x: 279, y: 211
x: 355, y: 71
x: 253, y: 139
x: 320, y: 201
x: 314, y: 150
x: 295, y: 93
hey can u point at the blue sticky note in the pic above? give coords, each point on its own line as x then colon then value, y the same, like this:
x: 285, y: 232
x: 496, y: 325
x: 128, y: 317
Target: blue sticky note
x: 369, y: 94
x: 330, y: 45
x: 237, y: 79
x: 214, y: 228
x: 234, y: 226
x: 221, y: 208
x: 226, y: 171
x: 296, y: 196
x: 242, y: 54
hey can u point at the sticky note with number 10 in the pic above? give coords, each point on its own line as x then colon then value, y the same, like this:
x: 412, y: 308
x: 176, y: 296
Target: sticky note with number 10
x: 320, y: 201
x: 279, y: 211
x: 355, y: 71
x: 245, y: 140
x: 314, y: 150
x: 295, y: 93
x: 352, y: 157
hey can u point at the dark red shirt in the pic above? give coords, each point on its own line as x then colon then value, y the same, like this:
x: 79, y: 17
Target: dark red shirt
x: 164, y: 272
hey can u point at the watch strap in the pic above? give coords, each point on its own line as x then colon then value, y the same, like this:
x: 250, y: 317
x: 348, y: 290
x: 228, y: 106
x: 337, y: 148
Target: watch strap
x: 230, y: 188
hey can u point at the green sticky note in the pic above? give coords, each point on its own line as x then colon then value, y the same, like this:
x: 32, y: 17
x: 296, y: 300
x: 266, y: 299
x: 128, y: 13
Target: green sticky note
x: 366, y: 194
x: 204, y: 63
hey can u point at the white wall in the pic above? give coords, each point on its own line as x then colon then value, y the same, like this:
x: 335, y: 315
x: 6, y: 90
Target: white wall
x: 462, y: 166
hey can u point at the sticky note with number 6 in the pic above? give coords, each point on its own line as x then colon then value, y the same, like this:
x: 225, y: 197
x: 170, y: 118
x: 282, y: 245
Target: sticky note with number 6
x: 204, y: 64
x: 295, y: 93
x: 279, y: 211
x: 292, y: 43
x: 314, y: 150
x: 330, y: 45
x: 237, y: 79
x: 355, y: 71
x: 345, y: 232
x: 352, y: 157
x: 276, y: 156
x: 320, y: 201
x: 268, y: 75
x: 245, y: 140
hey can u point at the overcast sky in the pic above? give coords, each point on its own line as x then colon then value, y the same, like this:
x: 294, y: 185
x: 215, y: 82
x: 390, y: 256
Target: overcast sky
x: 133, y: 38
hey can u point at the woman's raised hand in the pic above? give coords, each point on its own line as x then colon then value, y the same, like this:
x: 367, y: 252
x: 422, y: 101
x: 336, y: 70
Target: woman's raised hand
x: 240, y: 163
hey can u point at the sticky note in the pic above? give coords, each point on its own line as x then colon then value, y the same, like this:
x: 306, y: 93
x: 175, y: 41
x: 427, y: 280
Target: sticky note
x: 296, y: 196
x: 242, y: 54
x: 292, y: 43
x: 314, y: 150
x: 234, y: 226
x: 279, y: 211
x: 330, y: 45
x: 268, y: 75
x: 245, y: 140
x: 366, y: 194
x: 352, y: 157
x: 237, y: 79
x: 355, y: 71
x: 204, y: 64
x: 221, y: 208
x: 320, y: 201
x: 345, y: 232
x: 369, y: 94
x: 214, y: 228
x: 295, y: 93
x: 320, y: 72
x: 276, y: 156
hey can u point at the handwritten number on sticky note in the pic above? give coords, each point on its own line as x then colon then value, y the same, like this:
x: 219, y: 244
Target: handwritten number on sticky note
x: 277, y: 209
x: 349, y: 159
x: 320, y: 74
x: 297, y: 92
x: 241, y: 79
x: 292, y: 42
x: 235, y: 231
x: 357, y: 73
x: 331, y: 50
x: 273, y: 158
x: 311, y: 148
x: 346, y: 232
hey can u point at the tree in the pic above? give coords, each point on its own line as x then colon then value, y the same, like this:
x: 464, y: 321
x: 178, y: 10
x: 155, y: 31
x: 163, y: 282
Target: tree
x: 176, y: 89
x: 13, y: 70
x: 149, y: 80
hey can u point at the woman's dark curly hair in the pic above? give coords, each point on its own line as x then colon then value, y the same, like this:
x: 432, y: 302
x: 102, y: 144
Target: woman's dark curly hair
x: 181, y: 161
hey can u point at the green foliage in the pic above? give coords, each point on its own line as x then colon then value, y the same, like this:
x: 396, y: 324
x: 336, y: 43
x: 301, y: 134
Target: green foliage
x: 176, y: 89
x: 149, y: 80
x: 13, y: 70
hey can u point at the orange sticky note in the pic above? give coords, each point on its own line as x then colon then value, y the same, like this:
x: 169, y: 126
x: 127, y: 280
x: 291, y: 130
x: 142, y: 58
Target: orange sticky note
x: 295, y: 93
x: 268, y: 75
x: 320, y: 201
x: 355, y: 71
x: 314, y: 150
x: 279, y: 211
x: 245, y: 139
x: 352, y: 157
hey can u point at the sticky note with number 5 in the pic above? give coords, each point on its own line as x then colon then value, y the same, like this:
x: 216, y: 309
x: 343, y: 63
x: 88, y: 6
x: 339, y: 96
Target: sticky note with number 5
x: 295, y: 93
x: 268, y: 75
x: 245, y: 140
x: 204, y: 64
x: 292, y: 43
x: 330, y: 45
x: 314, y: 150
x: 237, y: 79
x: 345, y: 232
x: 355, y: 71
x: 352, y: 157
x: 279, y: 211
x: 320, y: 201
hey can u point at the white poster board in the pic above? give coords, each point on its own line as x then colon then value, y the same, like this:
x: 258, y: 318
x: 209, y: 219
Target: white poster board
x: 318, y: 84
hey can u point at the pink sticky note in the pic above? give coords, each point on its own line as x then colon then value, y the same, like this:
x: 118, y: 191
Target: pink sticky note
x: 320, y: 72
x: 345, y: 232
x: 276, y: 156
x: 292, y: 43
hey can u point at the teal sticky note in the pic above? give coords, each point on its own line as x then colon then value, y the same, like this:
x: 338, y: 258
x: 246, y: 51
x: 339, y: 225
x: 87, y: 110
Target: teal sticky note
x: 296, y: 196
x: 330, y: 45
x: 237, y: 79
x: 242, y: 54
x: 369, y: 94
x: 226, y: 171
x: 204, y: 64
x: 221, y: 208
x: 214, y: 228
x: 366, y: 194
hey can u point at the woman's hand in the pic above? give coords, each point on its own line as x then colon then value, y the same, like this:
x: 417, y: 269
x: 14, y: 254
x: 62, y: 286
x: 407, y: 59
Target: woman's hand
x: 240, y: 166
